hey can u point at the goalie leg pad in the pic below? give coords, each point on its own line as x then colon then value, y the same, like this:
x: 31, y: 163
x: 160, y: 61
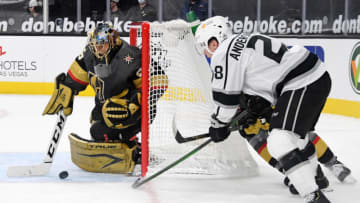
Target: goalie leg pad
x: 101, y: 157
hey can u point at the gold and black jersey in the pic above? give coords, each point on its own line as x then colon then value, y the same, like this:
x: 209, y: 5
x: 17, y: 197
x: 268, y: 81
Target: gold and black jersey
x: 124, y: 61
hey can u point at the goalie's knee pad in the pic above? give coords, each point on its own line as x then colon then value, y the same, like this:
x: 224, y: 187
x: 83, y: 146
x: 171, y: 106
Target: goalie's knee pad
x: 281, y: 142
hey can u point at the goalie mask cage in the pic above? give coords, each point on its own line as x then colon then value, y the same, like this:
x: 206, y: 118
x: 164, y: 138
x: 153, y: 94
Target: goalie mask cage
x: 186, y: 105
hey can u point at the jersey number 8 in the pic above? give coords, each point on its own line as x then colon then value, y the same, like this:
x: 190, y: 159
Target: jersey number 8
x: 218, y: 72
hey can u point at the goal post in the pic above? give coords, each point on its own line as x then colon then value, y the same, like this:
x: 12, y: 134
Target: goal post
x: 176, y: 93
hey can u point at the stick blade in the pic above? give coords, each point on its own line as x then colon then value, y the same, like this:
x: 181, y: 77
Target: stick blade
x: 25, y: 171
x: 136, y: 184
x: 179, y: 138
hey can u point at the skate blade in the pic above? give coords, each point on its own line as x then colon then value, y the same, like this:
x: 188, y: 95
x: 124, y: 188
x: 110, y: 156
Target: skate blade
x: 328, y: 189
x: 349, y: 180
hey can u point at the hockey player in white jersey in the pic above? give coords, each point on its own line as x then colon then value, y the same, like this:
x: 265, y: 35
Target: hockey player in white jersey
x: 255, y: 127
x: 294, y: 80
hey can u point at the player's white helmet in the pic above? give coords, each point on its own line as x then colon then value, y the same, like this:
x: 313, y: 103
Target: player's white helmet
x: 217, y: 27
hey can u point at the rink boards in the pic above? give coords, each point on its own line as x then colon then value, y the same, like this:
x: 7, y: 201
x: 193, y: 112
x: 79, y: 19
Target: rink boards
x: 29, y: 64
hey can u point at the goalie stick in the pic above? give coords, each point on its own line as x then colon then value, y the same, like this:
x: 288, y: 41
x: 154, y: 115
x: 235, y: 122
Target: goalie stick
x: 234, y: 125
x: 44, y: 167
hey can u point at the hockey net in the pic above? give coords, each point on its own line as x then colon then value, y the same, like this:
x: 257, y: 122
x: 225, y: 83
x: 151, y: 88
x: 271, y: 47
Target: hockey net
x: 181, y: 101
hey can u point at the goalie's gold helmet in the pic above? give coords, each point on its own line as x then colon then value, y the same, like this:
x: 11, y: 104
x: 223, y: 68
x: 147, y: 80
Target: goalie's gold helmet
x: 101, y: 40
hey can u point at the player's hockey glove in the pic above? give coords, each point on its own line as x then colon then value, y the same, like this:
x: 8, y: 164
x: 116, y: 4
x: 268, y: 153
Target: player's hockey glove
x: 122, y: 111
x: 259, y: 106
x: 62, y: 98
x: 218, y: 130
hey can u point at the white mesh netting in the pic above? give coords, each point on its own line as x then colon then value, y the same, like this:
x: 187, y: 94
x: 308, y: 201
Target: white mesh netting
x: 186, y: 105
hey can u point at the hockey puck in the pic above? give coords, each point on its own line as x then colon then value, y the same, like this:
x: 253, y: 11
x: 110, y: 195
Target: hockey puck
x: 63, y: 174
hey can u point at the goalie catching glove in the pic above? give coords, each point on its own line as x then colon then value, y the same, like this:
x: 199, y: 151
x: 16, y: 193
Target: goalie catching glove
x: 62, y: 98
x: 123, y: 110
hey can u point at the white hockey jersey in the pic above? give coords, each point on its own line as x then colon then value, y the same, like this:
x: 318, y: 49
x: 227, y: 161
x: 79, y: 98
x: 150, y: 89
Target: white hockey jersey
x: 258, y: 65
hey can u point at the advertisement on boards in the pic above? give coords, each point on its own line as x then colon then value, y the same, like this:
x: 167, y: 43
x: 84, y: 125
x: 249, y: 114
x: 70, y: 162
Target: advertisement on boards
x: 37, y: 59
x: 17, y: 65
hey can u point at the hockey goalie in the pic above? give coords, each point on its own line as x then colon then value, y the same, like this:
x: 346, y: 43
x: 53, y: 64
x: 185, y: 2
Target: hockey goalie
x: 113, y: 69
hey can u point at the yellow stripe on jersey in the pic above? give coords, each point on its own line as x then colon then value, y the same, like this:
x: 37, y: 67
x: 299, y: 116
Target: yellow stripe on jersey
x: 78, y: 74
x: 137, y: 83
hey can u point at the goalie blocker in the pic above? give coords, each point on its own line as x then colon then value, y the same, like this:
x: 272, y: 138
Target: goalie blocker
x: 103, y: 157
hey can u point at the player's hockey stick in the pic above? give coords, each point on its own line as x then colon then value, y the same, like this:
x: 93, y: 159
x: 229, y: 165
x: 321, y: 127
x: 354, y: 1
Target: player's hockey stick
x: 180, y: 139
x: 141, y: 181
x: 234, y: 125
x: 44, y: 167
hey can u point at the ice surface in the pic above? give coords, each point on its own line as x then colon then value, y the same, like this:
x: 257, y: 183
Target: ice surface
x: 25, y: 135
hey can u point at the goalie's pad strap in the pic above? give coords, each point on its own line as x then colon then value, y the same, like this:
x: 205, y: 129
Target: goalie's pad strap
x: 101, y: 157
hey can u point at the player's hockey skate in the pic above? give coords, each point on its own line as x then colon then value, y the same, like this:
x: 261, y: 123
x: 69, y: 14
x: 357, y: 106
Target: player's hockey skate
x: 320, y: 180
x: 316, y: 197
x: 341, y: 172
